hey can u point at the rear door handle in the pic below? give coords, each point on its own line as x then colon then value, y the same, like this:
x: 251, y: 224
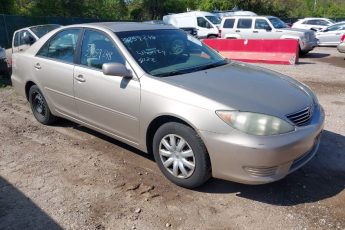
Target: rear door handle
x: 255, y: 31
x: 38, y: 66
x: 80, y: 78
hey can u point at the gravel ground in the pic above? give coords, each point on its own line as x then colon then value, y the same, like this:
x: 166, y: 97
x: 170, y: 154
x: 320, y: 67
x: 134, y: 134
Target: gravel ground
x: 69, y: 177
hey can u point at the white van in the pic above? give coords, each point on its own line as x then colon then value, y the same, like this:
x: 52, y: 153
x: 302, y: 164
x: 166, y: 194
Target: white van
x: 206, y: 23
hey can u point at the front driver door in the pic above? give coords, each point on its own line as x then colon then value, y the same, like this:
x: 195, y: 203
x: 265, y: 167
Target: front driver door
x: 109, y: 103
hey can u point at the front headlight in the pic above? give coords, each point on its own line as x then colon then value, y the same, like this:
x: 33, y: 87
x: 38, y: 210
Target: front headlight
x: 255, y: 123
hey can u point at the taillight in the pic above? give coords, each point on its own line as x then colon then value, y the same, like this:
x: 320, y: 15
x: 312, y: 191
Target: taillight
x: 342, y: 38
x: 219, y: 33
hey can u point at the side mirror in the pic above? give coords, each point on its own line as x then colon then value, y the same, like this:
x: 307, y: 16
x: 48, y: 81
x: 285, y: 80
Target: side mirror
x: 209, y: 26
x: 28, y: 40
x: 268, y: 28
x: 116, y: 69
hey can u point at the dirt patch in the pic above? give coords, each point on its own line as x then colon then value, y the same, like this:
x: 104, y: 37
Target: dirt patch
x: 335, y: 61
x: 326, y: 87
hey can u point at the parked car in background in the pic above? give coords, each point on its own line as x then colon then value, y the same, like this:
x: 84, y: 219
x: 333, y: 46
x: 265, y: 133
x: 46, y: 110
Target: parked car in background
x: 331, y: 35
x: 265, y: 27
x: 229, y: 13
x: 3, y: 62
x: 205, y: 23
x: 164, y: 92
x: 24, y: 38
x: 313, y: 23
x: 155, y: 22
x: 341, y: 46
x: 191, y: 30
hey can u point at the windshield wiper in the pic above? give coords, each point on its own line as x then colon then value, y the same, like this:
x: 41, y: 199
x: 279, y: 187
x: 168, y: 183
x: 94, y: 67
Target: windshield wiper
x: 213, y: 65
x: 172, y: 73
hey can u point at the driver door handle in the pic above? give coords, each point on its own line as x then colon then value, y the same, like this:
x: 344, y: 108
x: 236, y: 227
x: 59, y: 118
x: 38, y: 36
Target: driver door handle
x: 80, y: 78
x: 238, y: 31
x: 255, y: 31
x: 37, y: 66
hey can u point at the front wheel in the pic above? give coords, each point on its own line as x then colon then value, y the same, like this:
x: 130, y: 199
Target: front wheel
x: 302, y: 53
x: 212, y: 36
x: 40, y: 107
x: 181, y: 155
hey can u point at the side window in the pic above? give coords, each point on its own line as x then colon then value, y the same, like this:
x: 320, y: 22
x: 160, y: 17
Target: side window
x: 16, y: 39
x: 334, y: 28
x: 98, y: 49
x: 203, y: 23
x: 229, y: 23
x: 244, y: 23
x: 62, y: 46
x: 312, y: 22
x: 323, y: 23
x: 261, y: 24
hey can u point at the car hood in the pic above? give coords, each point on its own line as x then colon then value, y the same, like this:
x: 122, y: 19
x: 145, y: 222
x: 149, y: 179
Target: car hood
x: 246, y: 88
x: 295, y: 31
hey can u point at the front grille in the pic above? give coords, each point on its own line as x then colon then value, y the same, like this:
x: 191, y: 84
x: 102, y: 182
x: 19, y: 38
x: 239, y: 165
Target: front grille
x: 310, y: 36
x: 300, y: 118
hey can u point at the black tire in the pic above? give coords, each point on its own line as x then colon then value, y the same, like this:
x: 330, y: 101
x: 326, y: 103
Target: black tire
x: 302, y: 53
x: 40, y: 107
x: 212, y: 36
x: 202, y: 171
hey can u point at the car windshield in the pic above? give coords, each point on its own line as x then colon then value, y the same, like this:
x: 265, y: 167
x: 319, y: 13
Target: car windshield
x: 169, y: 52
x: 215, y: 20
x: 40, y: 31
x: 277, y: 23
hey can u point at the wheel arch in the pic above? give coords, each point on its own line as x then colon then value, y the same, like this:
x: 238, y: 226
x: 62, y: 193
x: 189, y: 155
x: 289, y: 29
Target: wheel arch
x: 158, y: 122
x: 28, y: 85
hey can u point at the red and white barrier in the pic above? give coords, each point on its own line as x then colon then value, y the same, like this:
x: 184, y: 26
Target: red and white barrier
x: 279, y: 51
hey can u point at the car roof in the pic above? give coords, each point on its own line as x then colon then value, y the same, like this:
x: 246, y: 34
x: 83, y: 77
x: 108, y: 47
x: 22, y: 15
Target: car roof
x: 126, y: 26
x: 315, y: 18
x: 249, y: 16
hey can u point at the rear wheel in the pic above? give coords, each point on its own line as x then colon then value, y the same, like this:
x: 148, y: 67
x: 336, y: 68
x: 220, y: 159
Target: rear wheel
x: 40, y: 107
x: 181, y: 155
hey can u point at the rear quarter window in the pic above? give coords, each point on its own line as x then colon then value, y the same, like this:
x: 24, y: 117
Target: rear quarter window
x: 244, y: 23
x: 229, y: 23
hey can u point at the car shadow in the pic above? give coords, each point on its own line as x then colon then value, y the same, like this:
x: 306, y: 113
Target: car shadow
x: 305, y: 63
x: 69, y: 124
x: 314, y: 55
x: 321, y: 178
x: 17, y: 211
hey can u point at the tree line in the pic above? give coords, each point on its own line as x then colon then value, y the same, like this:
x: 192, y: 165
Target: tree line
x: 155, y: 9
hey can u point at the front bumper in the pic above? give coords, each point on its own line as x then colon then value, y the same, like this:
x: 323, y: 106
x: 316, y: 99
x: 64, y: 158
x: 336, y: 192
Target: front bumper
x: 253, y: 159
x: 309, y: 45
x: 341, y: 47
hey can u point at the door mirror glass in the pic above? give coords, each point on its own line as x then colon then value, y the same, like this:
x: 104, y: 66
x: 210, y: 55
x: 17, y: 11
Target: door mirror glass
x: 116, y: 69
x: 28, y: 39
x: 268, y: 28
